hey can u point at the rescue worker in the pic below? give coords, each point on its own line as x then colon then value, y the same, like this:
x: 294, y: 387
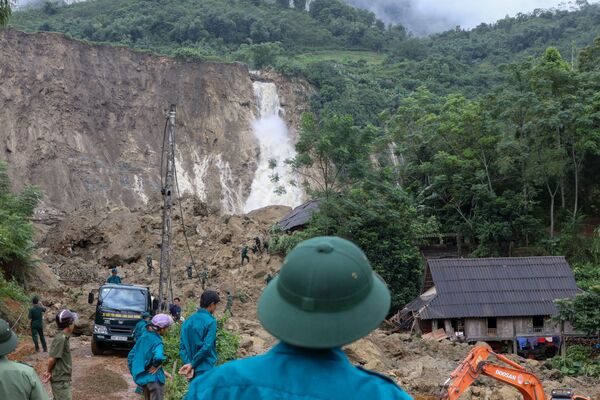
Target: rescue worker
x: 114, y: 278
x: 138, y: 331
x: 229, y: 304
x: 245, y: 254
x: 266, y: 246
x: 149, y: 264
x: 325, y: 296
x: 198, y: 341
x: 59, y: 361
x: 204, y: 278
x: 147, y: 356
x: 257, y: 244
x: 175, y: 309
x: 140, y: 327
x: 269, y: 278
x: 17, y: 381
x: 189, y: 271
x: 36, y: 315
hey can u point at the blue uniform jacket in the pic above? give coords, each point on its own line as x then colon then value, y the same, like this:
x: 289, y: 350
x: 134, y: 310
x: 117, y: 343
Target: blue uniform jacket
x: 289, y: 372
x: 198, y: 344
x: 114, y: 279
x: 147, y: 352
x: 139, y: 329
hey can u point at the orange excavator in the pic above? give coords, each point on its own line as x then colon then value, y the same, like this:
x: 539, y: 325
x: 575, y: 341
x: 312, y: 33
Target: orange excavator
x: 513, y: 374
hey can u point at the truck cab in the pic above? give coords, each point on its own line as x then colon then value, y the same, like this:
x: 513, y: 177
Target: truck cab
x: 118, y: 309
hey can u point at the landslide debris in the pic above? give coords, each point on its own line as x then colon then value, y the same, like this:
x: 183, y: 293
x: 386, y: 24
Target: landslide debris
x: 78, y: 250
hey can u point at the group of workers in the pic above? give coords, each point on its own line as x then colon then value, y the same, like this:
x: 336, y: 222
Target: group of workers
x: 325, y: 296
x: 257, y: 248
x: 19, y: 381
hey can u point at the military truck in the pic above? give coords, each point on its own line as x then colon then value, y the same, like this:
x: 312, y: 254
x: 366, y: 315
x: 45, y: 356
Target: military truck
x: 118, y: 310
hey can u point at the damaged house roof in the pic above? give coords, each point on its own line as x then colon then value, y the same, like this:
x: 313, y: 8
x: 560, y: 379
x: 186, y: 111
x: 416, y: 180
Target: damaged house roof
x: 299, y: 216
x: 493, y: 287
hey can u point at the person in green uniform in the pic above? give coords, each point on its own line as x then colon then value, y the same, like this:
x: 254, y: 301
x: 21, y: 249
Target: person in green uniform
x: 17, y: 381
x: 325, y: 296
x: 114, y: 278
x: 245, y: 254
x: 229, y: 304
x: 204, y: 278
x: 60, y: 364
x: 269, y: 278
x: 36, y: 315
x: 149, y: 264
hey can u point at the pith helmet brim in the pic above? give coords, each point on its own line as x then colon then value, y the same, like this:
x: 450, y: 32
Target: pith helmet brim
x: 322, y: 330
x: 10, y: 345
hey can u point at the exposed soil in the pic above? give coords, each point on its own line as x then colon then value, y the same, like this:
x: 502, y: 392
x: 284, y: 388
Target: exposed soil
x: 94, y: 377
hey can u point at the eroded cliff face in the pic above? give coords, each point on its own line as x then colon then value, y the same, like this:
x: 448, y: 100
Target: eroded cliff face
x: 85, y: 123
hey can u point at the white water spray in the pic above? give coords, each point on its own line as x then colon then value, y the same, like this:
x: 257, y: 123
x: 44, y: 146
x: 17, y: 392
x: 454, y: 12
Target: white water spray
x: 275, y: 147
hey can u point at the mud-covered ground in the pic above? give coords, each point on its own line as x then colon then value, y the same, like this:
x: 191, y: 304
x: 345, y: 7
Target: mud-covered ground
x: 94, y: 377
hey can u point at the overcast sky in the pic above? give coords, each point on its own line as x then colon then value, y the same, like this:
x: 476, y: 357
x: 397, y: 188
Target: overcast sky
x: 428, y: 16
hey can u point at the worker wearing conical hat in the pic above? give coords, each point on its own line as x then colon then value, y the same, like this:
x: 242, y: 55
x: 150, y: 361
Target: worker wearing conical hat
x: 326, y: 296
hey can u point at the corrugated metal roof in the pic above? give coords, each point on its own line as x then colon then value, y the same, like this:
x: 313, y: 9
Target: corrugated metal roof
x: 299, y: 216
x: 498, y: 287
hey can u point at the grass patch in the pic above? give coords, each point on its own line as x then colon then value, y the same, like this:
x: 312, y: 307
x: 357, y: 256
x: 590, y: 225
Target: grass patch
x: 342, y: 56
x: 13, y: 304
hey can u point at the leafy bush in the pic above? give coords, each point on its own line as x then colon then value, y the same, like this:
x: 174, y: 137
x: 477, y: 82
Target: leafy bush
x: 281, y: 244
x: 13, y: 304
x: 12, y: 290
x: 578, y: 361
x: 16, y: 230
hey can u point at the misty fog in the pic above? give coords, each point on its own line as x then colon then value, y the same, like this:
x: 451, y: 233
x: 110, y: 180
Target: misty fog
x: 423, y: 17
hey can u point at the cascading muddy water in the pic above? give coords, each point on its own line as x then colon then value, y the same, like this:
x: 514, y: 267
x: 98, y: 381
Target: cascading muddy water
x: 271, y: 185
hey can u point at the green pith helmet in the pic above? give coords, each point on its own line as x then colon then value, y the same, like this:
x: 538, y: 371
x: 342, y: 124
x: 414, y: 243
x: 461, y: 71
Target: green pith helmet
x: 326, y: 295
x: 8, y: 339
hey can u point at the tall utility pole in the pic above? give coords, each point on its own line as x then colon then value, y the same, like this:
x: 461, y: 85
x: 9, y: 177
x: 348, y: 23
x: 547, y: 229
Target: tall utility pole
x: 167, y: 191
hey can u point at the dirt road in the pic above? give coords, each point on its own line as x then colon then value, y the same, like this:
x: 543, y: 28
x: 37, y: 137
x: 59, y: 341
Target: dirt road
x: 94, y: 377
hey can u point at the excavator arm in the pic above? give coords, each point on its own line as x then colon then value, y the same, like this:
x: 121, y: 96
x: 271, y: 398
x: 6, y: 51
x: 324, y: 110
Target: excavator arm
x: 476, y: 364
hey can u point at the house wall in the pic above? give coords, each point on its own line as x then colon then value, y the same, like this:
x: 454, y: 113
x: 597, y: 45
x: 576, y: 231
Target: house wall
x: 475, y: 327
x: 509, y: 328
x: 506, y: 328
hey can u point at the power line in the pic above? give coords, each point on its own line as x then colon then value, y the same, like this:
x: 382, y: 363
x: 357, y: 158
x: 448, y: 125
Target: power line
x: 187, y: 243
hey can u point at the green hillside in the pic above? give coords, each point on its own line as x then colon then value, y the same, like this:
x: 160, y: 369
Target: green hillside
x: 492, y: 133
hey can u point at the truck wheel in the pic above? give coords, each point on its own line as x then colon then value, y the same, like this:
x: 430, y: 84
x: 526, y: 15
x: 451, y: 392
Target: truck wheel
x: 97, y: 348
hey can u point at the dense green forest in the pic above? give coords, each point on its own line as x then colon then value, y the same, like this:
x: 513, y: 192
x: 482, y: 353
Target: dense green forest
x: 493, y: 133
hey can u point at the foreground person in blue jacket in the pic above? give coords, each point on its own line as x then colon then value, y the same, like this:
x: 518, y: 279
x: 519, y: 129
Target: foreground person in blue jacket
x: 198, y: 340
x: 325, y: 296
x: 146, y: 358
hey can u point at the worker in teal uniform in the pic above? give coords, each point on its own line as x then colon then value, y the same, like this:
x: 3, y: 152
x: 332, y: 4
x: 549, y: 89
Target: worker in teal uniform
x: 198, y: 341
x: 17, y: 381
x: 114, y: 278
x: 146, y: 358
x: 140, y: 327
x: 325, y: 297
